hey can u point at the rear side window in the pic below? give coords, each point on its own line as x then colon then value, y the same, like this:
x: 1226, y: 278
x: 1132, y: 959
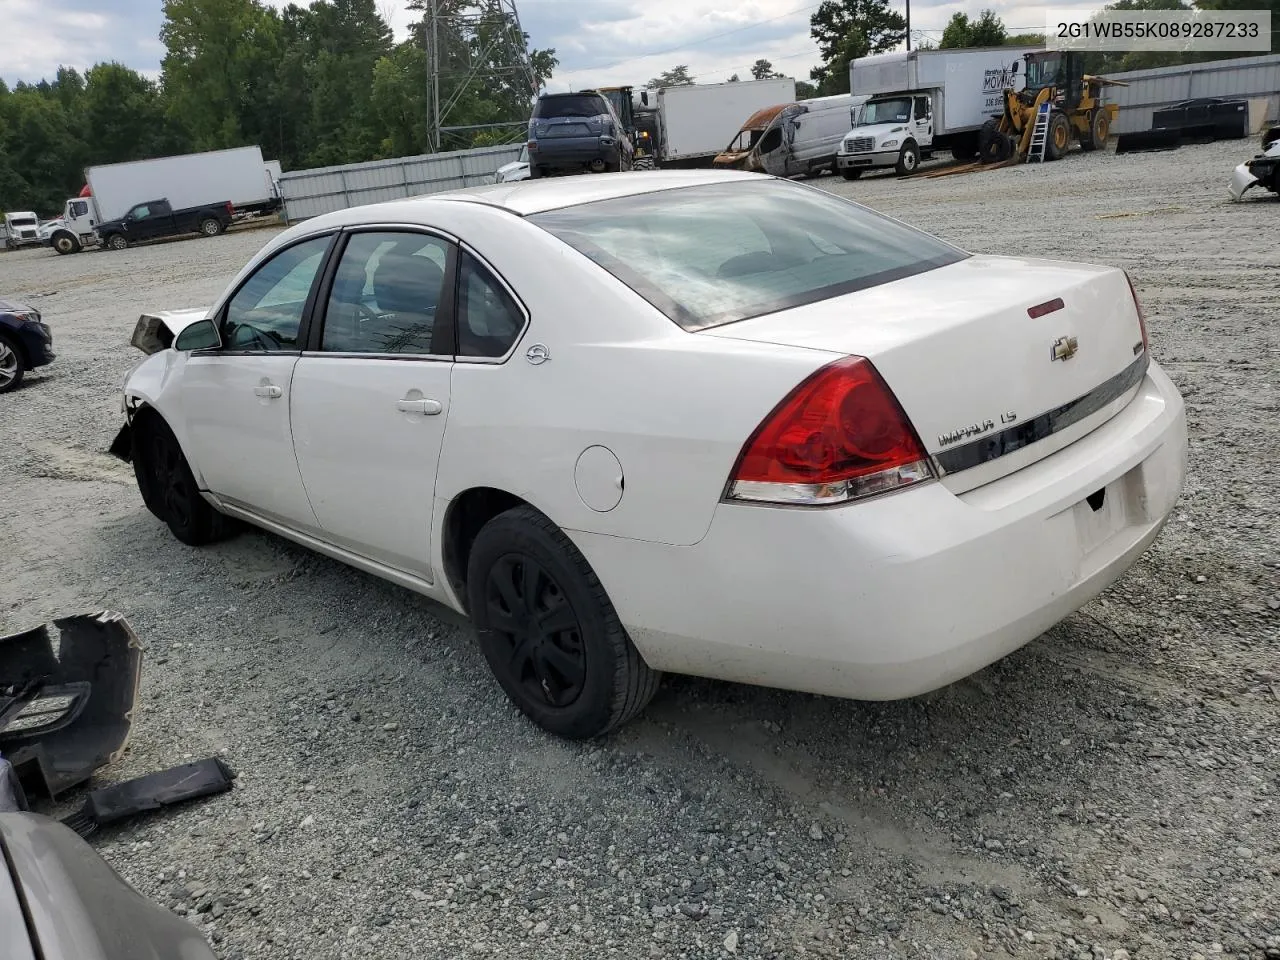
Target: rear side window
x: 711, y: 255
x: 576, y: 105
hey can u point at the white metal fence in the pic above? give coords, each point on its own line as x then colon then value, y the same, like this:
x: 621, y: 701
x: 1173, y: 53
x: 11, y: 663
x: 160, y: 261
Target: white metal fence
x: 309, y: 193
x: 1151, y: 90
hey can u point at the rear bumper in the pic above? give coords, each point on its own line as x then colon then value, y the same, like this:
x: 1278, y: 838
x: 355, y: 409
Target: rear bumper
x: 562, y: 152
x: 865, y: 161
x: 901, y: 595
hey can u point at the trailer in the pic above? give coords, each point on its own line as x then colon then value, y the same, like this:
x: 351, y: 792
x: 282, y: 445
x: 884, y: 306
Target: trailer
x: 238, y: 176
x: 696, y: 120
x: 924, y: 101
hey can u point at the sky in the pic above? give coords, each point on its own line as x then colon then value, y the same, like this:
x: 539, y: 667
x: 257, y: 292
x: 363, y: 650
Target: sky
x: 597, y: 41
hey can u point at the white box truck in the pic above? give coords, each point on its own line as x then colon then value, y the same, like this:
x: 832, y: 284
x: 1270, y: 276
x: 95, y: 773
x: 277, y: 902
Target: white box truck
x: 114, y: 191
x: 924, y: 101
x: 697, y: 120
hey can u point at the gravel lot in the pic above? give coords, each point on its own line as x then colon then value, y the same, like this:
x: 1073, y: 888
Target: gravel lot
x: 1109, y: 791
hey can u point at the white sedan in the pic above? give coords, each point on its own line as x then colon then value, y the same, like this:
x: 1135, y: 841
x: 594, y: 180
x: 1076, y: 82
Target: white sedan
x: 709, y: 423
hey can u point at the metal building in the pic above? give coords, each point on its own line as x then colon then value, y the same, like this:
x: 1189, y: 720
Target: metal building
x: 1151, y: 90
x: 309, y: 193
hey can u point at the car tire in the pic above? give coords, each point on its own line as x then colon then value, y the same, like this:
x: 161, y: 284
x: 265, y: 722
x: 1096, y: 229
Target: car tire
x: 851, y: 173
x: 12, y: 365
x: 64, y: 243
x: 211, y: 226
x: 908, y: 159
x: 168, y: 486
x: 579, y: 680
x: 117, y: 242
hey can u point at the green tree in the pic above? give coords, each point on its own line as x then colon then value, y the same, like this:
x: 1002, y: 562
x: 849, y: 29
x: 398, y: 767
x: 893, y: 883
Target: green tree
x: 762, y: 69
x: 987, y: 31
x: 805, y: 90
x: 219, y: 70
x: 675, y: 77
x: 847, y: 29
x: 124, y: 116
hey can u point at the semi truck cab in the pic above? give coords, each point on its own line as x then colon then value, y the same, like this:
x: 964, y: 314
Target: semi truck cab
x: 891, y: 130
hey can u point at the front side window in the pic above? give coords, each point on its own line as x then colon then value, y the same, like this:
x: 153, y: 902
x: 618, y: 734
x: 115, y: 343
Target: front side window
x: 715, y: 254
x: 922, y: 108
x: 79, y: 208
x: 140, y: 211
x: 266, y: 312
x: 386, y: 292
x: 489, y: 321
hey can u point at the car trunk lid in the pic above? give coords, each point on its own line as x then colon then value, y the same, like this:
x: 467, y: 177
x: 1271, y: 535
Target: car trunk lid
x: 997, y: 361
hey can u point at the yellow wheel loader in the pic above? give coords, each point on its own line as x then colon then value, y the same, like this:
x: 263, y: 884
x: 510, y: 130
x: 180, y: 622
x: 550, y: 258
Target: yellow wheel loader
x: 1077, y: 110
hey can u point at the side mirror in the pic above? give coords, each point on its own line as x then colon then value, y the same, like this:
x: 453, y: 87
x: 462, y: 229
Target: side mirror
x: 201, y: 335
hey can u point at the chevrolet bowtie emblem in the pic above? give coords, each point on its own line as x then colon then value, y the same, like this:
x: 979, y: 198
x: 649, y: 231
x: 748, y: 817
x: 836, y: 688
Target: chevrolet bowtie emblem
x: 1064, y: 348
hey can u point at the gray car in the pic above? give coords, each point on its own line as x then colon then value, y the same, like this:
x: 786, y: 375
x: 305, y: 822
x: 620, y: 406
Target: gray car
x: 59, y: 900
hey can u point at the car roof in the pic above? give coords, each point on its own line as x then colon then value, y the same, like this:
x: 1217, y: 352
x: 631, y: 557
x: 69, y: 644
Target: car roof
x: 528, y: 197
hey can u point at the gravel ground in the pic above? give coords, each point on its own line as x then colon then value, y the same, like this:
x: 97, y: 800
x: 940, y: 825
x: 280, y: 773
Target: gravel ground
x: 1109, y: 791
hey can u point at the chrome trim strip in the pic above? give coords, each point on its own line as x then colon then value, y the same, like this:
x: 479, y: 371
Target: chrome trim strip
x: 1045, y: 425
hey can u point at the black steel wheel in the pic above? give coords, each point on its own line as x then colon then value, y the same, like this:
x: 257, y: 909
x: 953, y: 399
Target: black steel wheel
x: 169, y: 488
x: 549, y: 631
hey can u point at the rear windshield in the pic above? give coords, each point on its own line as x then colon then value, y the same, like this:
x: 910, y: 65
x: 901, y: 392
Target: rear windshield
x: 570, y: 106
x: 711, y: 255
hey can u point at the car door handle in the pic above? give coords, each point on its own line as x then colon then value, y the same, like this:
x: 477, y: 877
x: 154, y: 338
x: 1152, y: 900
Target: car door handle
x: 425, y: 408
x: 267, y: 390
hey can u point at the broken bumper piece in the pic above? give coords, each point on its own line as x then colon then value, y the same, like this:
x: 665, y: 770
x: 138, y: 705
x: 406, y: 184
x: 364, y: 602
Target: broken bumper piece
x: 67, y: 694
x: 1241, y: 180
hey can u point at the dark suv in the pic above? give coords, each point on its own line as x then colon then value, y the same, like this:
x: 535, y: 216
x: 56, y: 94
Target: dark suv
x: 574, y: 133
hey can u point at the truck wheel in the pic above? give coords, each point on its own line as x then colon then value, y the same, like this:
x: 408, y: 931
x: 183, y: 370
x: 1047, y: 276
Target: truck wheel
x: 994, y: 145
x: 64, y: 243
x: 1059, y: 136
x: 1099, y: 131
x: 964, y: 148
x: 851, y: 173
x: 908, y: 158
x: 211, y: 227
x: 117, y: 242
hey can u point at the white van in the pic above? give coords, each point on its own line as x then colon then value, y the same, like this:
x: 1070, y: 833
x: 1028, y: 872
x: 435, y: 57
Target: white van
x: 793, y: 139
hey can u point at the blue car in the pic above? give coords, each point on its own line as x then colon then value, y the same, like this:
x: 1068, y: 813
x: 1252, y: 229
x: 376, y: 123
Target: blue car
x: 576, y: 133
x: 26, y: 342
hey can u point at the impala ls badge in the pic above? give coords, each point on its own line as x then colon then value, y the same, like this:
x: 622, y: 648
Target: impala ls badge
x: 538, y: 353
x: 1064, y: 348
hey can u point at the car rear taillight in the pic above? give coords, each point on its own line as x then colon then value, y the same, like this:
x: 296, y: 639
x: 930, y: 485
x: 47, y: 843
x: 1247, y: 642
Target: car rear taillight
x: 1142, y: 316
x: 838, y: 436
x: 532, y: 144
x: 231, y: 210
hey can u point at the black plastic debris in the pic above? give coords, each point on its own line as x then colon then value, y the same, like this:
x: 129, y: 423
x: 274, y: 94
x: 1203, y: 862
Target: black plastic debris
x: 67, y: 694
x: 148, y: 794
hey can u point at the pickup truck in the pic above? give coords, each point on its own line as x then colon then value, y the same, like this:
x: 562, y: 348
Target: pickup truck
x: 155, y: 219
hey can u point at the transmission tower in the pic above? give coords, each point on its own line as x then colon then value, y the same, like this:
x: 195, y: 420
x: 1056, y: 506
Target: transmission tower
x: 493, y: 26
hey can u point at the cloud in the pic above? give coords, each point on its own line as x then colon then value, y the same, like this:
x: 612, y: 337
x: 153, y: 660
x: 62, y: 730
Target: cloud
x: 41, y: 35
x: 597, y: 42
